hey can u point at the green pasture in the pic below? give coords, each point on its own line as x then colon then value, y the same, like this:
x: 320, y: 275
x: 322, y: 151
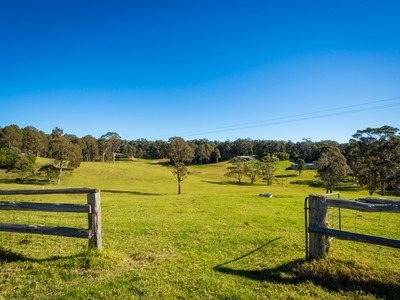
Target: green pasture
x: 218, y: 240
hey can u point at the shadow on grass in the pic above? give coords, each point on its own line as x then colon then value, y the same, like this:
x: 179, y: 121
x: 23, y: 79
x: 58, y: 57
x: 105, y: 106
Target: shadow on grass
x: 160, y: 162
x: 132, y: 193
x: 32, y: 181
x: 339, y: 276
x: 321, y: 184
x: 311, y: 183
x: 7, y: 256
x: 247, y: 254
x: 352, y: 188
x: 232, y: 183
x: 286, y: 175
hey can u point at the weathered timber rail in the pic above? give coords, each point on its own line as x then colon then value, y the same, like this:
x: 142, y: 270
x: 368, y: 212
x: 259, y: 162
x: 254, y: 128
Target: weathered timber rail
x: 92, y: 208
x: 317, y: 228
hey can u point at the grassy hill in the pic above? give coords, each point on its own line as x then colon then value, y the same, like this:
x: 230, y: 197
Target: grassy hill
x: 218, y: 240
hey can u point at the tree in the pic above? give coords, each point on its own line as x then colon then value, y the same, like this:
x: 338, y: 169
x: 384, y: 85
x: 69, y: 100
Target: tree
x: 242, y: 147
x: 215, y: 155
x: 201, y: 154
x: 268, y: 168
x: 394, y: 178
x: 11, y: 137
x: 300, y: 165
x: 158, y: 149
x: 143, y: 148
x: 331, y: 166
x: 50, y: 172
x: 236, y: 169
x: 8, y: 157
x: 24, y: 165
x: 203, y: 151
x: 128, y: 149
x: 179, y: 153
x: 251, y: 169
x: 180, y: 171
x: 282, y: 156
x: 361, y: 162
x: 33, y: 141
x: 103, y: 147
x: 113, y: 142
x: 90, y: 149
x: 307, y: 150
x: 225, y: 150
x: 372, y: 156
x: 64, y: 152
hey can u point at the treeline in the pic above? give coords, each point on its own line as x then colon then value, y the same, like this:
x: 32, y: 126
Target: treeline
x: 19, y: 148
x: 30, y: 140
x: 373, y: 154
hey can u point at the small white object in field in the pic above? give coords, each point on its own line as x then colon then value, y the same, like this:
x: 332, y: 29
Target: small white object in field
x: 266, y: 195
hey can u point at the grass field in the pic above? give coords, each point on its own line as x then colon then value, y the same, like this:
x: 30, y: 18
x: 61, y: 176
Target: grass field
x: 218, y: 240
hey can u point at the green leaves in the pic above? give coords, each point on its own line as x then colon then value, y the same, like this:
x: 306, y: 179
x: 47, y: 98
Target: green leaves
x: 331, y: 166
x: 373, y: 155
x: 253, y: 169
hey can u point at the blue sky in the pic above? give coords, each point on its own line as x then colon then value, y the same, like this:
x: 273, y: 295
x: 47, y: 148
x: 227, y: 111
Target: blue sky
x: 281, y: 70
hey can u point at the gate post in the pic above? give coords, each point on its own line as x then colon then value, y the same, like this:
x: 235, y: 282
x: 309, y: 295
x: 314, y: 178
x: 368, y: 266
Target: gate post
x: 319, y: 218
x: 94, y: 219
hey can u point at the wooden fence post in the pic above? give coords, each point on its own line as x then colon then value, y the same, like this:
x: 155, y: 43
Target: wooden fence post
x: 318, y: 217
x: 94, y: 218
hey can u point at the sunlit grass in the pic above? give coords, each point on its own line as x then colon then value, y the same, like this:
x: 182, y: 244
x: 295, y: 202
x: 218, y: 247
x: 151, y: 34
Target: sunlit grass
x: 218, y: 240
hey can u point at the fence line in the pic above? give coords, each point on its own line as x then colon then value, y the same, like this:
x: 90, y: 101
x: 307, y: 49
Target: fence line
x: 92, y: 208
x: 317, y: 227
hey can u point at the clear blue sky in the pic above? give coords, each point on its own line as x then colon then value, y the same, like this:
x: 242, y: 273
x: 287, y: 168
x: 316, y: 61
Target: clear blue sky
x: 281, y: 70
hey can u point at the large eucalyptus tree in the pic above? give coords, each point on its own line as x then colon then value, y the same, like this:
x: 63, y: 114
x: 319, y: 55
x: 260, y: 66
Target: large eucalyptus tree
x: 372, y: 155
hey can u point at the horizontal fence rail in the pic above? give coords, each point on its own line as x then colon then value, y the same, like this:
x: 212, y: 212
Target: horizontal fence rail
x: 48, y: 192
x: 318, y: 243
x: 363, y: 206
x: 50, y: 207
x: 379, y: 201
x: 92, y: 208
x: 352, y: 236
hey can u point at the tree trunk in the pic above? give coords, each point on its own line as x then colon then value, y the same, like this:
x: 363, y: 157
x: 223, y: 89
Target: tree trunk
x: 382, y: 188
x: 179, y: 187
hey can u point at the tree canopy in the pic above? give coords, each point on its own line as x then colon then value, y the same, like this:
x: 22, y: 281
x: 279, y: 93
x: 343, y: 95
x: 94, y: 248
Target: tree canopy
x: 64, y: 152
x: 331, y: 166
x: 373, y: 157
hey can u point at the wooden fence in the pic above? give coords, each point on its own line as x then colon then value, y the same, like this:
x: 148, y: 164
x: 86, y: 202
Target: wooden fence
x: 92, y: 208
x: 319, y: 233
